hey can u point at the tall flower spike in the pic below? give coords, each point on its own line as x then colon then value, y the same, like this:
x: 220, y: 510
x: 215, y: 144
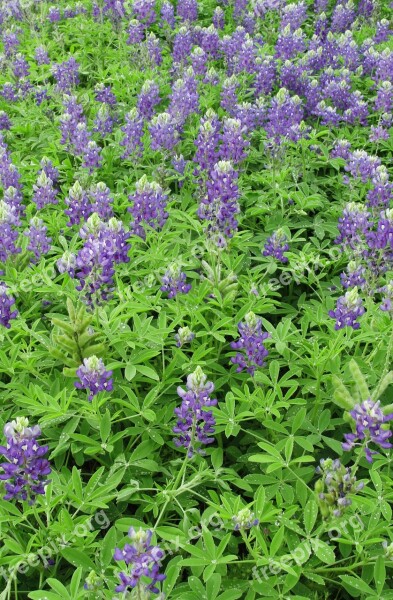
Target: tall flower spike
x: 276, y: 245
x: 143, y: 560
x: 348, y: 309
x: 148, y: 206
x: 244, y: 519
x: 174, y: 282
x: 25, y: 470
x: 369, y: 421
x: 334, y: 487
x: 6, y: 304
x: 195, y: 424
x: 251, y: 343
x: 94, y: 377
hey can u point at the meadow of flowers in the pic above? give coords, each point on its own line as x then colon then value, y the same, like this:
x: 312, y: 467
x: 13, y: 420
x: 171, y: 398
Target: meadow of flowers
x: 196, y: 299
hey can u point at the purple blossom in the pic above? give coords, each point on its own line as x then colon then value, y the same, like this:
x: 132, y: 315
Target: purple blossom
x: 5, y: 122
x: 387, y: 304
x: 354, y: 277
x: 153, y: 48
x: 233, y: 141
x: 174, y: 282
x: 164, y: 132
x: 182, y: 45
x: 168, y: 15
x: 133, y: 133
x: 184, y: 99
x: 9, y: 220
x: 143, y: 561
x: 101, y: 199
x: 220, y: 205
x: 94, y: 377
x: 105, y: 245
x: 343, y: 16
x: 284, y: 118
x: 195, y: 424
x: 187, y: 10
x: 144, y: 11
x: 104, y: 121
x: 369, y: 420
x: 218, y: 18
x: 198, y: 59
x: 341, y: 149
x: 348, y: 309
x: 67, y: 264
x: 228, y: 93
x: 334, y: 487
x: 44, y: 192
x: 207, y: 142
x: 39, y: 242
x: 6, y: 307
x: 26, y: 470
x: 148, y: 99
x: 135, y: 32
x: 381, y: 191
x: 78, y: 203
x: 276, y: 245
x: 383, y: 31
x: 183, y: 336
x: 148, y: 206
x: 66, y: 75
x: 244, y: 519
x: 20, y: 66
x: 104, y: 94
x: 353, y: 225
x: 290, y: 43
x: 251, y: 344
x: 92, y: 158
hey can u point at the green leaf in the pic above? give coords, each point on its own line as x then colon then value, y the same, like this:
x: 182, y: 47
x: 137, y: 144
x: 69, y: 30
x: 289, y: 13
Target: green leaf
x: 323, y: 551
x: 380, y: 573
x: 78, y: 558
x: 147, y: 372
x: 357, y: 584
x: 310, y: 515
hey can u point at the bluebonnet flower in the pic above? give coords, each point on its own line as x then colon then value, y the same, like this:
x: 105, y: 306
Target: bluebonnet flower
x: 41, y: 56
x: 218, y: 18
x: 348, y: 309
x: 148, y: 206
x: 5, y: 122
x: 67, y: 263
x: 168, y: 15
x: 195, y: 424
x: 148, y: 99
x: 333, y: 489
x: 164, y: 132
x: 387, y: 304
x: 144, y: 11
x: 207, y: 142
x: 276, y: 245
x: 104, y: 94
x: 135, y: 32
x: 183, y: 336
x: 39, y: 242
x: 133, y: 133
x: 26, y: 470
x: 341, y: 149
x: 220, y: 205
x: 104, y: 121
x: 244, y: 519
x: 174, y: 282
x: 154, y: 52
x: 233, y: 141
x: 9, y: 220
x: 101, y: 199
x: 354, y: 277
x: 184, y: 97
x: 94, y: 377
x: 198, y: 59
x: 182, y: 45
x: 143, y: 560
x: 6, y: 306
x: 91, y: 155
x: 44, y: 192
x: 66, y: 75
x: 78, y: 204
x: 251, y: 344
x: 105, y: 246
x: 369, y: 421
x: 187, y: 10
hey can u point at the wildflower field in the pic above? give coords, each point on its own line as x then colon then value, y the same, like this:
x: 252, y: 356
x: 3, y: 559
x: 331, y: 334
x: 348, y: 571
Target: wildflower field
x: 196, y: 299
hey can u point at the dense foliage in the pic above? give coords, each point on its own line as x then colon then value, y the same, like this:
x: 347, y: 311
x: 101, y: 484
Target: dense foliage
x: 196, y: 285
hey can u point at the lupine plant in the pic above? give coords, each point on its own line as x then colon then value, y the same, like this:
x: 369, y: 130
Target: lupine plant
x: 196, y: 299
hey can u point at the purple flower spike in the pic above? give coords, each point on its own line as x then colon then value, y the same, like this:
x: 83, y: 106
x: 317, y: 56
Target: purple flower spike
x: 6, y: 302
x: 276, y: 245
x: 195, y: 425
x: 369, y: 420
x: 26, y: 470
x: 348, y: 309
x: 148, y: 206
x: 94, y: 377
x: 174, y: 282
x: 244, y: 519
x: 143, y: 560
x: 251, y: 343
